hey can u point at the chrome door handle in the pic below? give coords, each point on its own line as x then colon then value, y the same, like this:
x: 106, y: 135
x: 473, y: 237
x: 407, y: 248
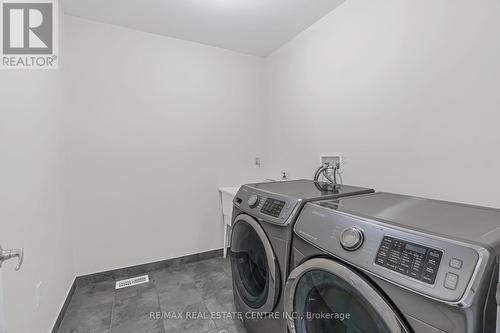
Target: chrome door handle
x: 12, y: 253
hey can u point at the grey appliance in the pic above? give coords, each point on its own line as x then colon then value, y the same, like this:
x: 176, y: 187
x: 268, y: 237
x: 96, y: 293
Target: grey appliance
x: 262, y: 230
x: 396, y: 264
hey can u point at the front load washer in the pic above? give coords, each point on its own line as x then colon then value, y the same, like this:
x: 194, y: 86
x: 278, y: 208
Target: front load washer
x: 262, y: 230
x: 393, y: 263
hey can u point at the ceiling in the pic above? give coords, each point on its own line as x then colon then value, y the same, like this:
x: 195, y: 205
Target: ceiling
x: 255, y: 27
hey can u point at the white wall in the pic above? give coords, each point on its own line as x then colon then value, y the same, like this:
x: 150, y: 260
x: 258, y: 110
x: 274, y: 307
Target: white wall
x: 156, y: 125
x: 407, y: 90
x: 32, y: 198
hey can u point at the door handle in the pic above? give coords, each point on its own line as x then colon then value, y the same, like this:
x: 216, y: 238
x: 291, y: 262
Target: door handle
x: 12, y: 253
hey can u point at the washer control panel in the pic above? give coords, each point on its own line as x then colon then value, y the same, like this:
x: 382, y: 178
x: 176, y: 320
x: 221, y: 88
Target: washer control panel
x: 271, y: 207
x: 410, y: 259
x: 437, y: 267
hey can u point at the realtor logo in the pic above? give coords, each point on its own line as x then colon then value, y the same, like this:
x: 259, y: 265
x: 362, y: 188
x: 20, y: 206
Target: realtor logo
x: 29, y: 34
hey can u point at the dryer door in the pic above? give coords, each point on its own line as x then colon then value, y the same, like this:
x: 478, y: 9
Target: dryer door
x: 254, y: 266
x: 324, y: 296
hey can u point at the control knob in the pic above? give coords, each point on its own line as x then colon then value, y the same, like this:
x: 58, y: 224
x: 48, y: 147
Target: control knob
x: 253, y: 201
x: 352, y: 238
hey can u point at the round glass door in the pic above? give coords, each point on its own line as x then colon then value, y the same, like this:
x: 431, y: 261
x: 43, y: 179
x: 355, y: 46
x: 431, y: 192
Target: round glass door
x: 253, y: 265
x: 326, y: 296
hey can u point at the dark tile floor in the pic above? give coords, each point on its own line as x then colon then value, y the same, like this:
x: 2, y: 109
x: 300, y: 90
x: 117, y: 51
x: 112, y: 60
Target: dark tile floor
x: 201, y: 291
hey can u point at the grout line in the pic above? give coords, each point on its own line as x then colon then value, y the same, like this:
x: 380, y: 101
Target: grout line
x: 212, y: 320
x: 112, y: 310
x: 198, y: 285
x: 153, y: 280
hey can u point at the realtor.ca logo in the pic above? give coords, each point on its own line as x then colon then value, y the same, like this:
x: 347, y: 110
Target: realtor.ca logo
x: 29, y: 37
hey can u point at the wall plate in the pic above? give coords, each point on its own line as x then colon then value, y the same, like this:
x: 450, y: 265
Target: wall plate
x: 333, y: 158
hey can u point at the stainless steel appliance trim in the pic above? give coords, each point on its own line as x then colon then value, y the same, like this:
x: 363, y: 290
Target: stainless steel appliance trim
x: 274, y: 273
x: 268, y: 194
x: 293, y: 214
x: 498, y: 304
x: 483, y: 257
x: 381, y: 306
x: 468, y: 295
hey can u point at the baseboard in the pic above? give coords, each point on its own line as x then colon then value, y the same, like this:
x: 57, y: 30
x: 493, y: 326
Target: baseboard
x: 60, y: 317
x: 127, y: 272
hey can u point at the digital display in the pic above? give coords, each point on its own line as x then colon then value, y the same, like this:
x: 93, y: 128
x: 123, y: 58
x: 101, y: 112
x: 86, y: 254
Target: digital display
x: 413, y: 260
x: 414, y: 248
x: 273, y: 207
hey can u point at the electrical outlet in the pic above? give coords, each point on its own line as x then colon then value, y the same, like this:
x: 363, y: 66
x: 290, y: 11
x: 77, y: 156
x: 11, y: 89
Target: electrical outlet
x: 257, y: 161
x: 38, y: 293
x: 333, y: 159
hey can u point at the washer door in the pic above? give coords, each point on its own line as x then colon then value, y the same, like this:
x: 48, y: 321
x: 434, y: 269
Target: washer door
x: 254, y: 266
x: 324, y: 296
